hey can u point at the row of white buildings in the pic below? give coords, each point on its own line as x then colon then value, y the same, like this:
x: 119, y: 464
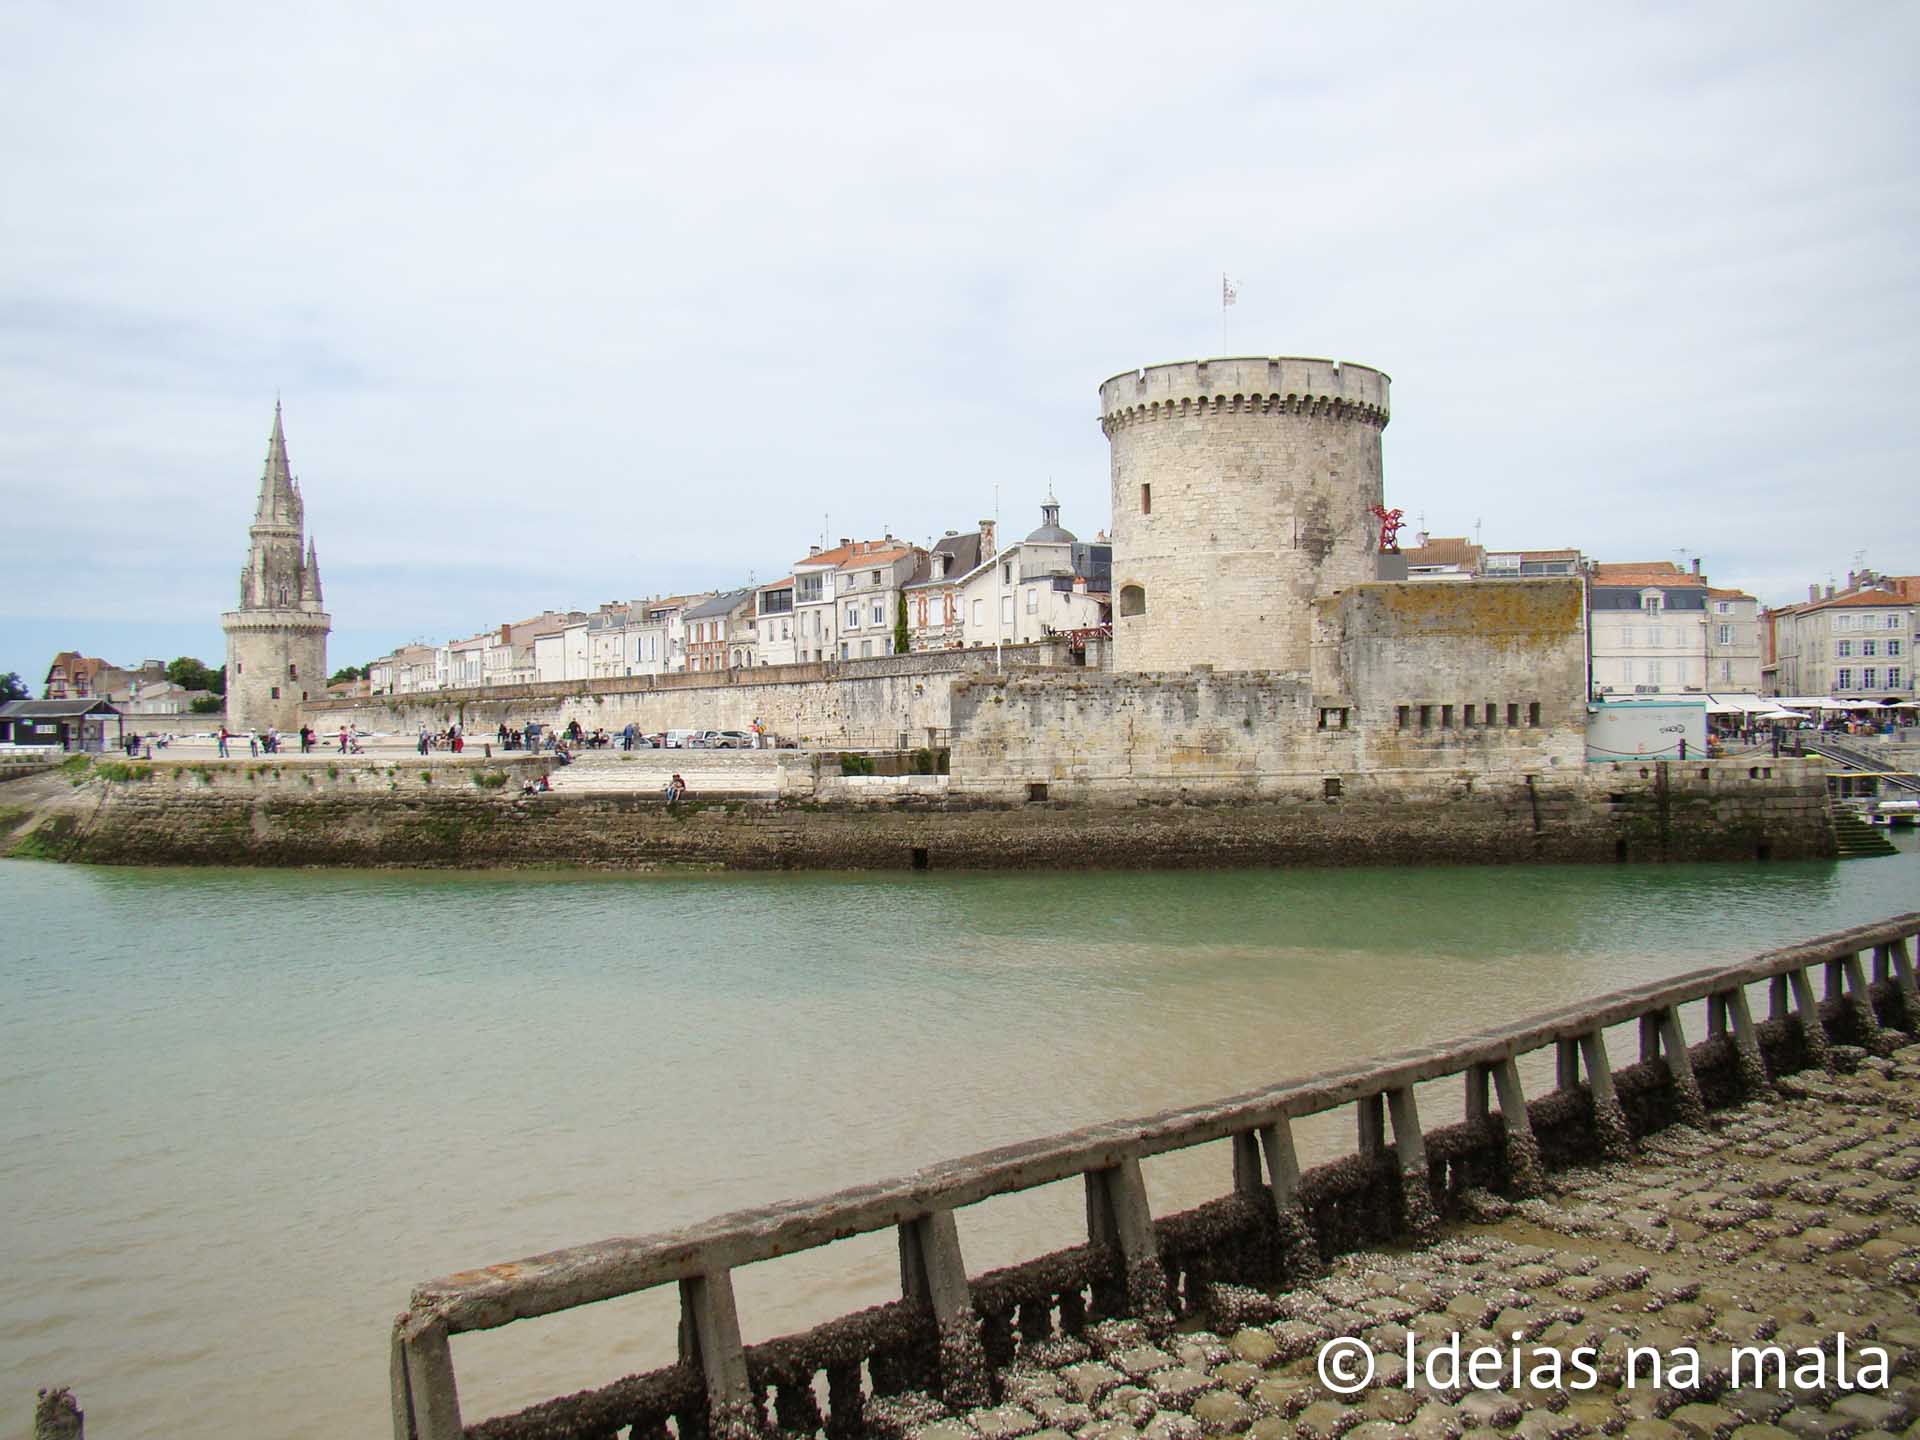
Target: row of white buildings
x: 855, y: 601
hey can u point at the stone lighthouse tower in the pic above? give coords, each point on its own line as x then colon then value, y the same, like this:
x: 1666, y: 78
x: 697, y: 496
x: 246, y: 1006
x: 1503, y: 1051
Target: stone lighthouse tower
x: 1242, y: 491
x: 277, y: 639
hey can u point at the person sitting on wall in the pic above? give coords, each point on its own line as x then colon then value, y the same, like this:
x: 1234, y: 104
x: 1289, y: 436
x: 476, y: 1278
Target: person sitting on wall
x: 676, y: 789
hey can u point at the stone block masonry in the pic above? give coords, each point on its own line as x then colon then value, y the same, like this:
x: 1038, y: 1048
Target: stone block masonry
x: 800, y: 815
x: 890, y: 702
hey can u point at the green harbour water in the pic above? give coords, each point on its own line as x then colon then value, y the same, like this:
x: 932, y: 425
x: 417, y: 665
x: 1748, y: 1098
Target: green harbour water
x: 242, y: 1112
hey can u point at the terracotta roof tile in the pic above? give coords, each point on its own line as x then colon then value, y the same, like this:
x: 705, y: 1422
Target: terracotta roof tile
x: 1646, y: 572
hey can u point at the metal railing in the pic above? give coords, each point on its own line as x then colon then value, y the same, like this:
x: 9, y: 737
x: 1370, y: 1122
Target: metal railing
x: 1278, y: 1224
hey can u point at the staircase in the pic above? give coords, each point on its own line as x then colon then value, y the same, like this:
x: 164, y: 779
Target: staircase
x: 1855, y: 838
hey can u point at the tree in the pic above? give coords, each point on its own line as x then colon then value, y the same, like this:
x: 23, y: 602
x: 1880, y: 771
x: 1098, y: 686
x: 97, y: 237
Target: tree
x: 351, y: 672
x: 189, y: 674
x: 900, y: 637
x: 12, y: 687
x: 207, y: 705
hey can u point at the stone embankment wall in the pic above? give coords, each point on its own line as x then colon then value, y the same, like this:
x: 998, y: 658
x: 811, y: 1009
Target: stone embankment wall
x: 894, y: 701
x: 798, y: 813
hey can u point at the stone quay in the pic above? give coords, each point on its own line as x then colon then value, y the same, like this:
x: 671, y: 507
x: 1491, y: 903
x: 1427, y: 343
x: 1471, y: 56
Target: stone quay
x: 1721, y: 1239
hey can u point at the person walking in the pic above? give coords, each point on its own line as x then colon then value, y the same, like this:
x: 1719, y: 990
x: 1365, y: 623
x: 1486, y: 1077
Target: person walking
x: 225, y: 735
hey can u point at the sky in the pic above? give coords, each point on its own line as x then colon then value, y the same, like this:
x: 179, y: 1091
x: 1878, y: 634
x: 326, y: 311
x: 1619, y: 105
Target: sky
x: 580, y: 303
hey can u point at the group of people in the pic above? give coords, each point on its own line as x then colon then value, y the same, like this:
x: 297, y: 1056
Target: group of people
x: 447, y: 739
x: 132, y: 742
x: 261, y: 743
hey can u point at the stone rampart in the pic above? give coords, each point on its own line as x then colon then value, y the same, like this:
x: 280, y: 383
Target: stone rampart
x: 892, y: 701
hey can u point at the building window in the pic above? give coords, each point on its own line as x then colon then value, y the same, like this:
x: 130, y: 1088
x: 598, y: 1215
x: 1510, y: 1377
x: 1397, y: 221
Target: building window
x: 1513, y: 715
x: 276, y: 692
x: 873, y: 577
x: 1334, y: 719
x: 1402, y: 715
x: 293, y: 671
x: 1893, y: 622
x: 1843, y: 648
x: 1893, y: 647
x: 1723, y: 607
x: 866, y: 649
x: 1033, y: 599
x: 1869, y: 677
x: 1533, y: 713
x: 879, y: 612
x: 1651, y: 604
x: 1869, y: 647
x: 1006, y: 609
x: 1146, y: 499
x: 853, y: 617
x: 1133, y: 600
x: 843, y: 649
x: 1725, y: 634
x: 1844, y: 679
x: 1843, y: 622
x: 1626, y: 637
x: 1893, y: 677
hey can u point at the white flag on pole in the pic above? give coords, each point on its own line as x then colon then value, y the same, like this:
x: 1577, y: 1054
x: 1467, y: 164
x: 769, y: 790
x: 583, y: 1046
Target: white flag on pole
x: 1229, y: 292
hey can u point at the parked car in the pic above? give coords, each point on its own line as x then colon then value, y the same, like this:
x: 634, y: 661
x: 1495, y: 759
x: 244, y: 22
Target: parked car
x: 677, y: 739
x: 729, y: 739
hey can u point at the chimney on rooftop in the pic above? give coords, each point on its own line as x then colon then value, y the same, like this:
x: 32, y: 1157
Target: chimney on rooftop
x: 1696, y: 564
x: 1813, y: 593
x: 986, y: 540
x: 1829, y: 592
x: 845, y: 542
x: 812, y: 550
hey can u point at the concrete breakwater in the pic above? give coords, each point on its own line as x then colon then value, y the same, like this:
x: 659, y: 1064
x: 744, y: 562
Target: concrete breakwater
x: 1752, y: 1155
x: 788, y: 809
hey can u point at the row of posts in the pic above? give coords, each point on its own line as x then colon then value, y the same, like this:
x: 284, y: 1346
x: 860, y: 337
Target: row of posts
x: 1265, y: 1164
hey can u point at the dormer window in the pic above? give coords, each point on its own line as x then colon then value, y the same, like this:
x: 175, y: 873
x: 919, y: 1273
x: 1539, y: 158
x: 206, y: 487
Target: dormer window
x: 1650, y: 602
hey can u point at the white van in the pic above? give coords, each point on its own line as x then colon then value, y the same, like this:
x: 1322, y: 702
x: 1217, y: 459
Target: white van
x: 677, y: 739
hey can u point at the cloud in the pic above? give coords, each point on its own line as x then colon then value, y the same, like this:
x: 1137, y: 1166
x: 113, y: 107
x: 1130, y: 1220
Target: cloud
x: 628, y: 301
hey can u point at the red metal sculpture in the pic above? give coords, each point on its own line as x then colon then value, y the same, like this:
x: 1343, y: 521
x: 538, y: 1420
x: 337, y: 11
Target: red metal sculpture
x: 1390, y: 523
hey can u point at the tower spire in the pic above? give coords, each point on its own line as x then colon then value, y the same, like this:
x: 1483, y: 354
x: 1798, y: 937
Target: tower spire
x: 279, y: 502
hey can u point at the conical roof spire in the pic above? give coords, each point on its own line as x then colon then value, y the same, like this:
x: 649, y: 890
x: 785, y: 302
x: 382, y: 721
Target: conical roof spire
x: 279, y: 502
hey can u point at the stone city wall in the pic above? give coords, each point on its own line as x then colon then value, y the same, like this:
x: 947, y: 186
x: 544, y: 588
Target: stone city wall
x: 260, y: 813
x: 893, y: 701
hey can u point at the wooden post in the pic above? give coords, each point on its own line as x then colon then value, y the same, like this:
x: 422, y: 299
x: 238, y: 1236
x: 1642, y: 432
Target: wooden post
x: 934, y: 1274
x: 1688, y: 1106
x: 1118, y: 1215
x: 1813, y: 1030
x: 1609, y: 1120
x: 1835, y: 980
x: 1777, y: 998
x: 710, y: 1320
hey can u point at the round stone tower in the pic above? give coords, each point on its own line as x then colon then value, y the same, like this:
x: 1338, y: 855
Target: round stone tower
x: 277, y: 639
x: 1242, y: 490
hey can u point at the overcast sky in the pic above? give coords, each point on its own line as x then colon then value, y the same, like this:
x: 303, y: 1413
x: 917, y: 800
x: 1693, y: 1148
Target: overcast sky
x: 570, y: 304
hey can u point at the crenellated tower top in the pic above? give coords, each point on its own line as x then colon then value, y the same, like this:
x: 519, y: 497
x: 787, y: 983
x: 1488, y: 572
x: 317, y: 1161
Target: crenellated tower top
x: 1256, y: 383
